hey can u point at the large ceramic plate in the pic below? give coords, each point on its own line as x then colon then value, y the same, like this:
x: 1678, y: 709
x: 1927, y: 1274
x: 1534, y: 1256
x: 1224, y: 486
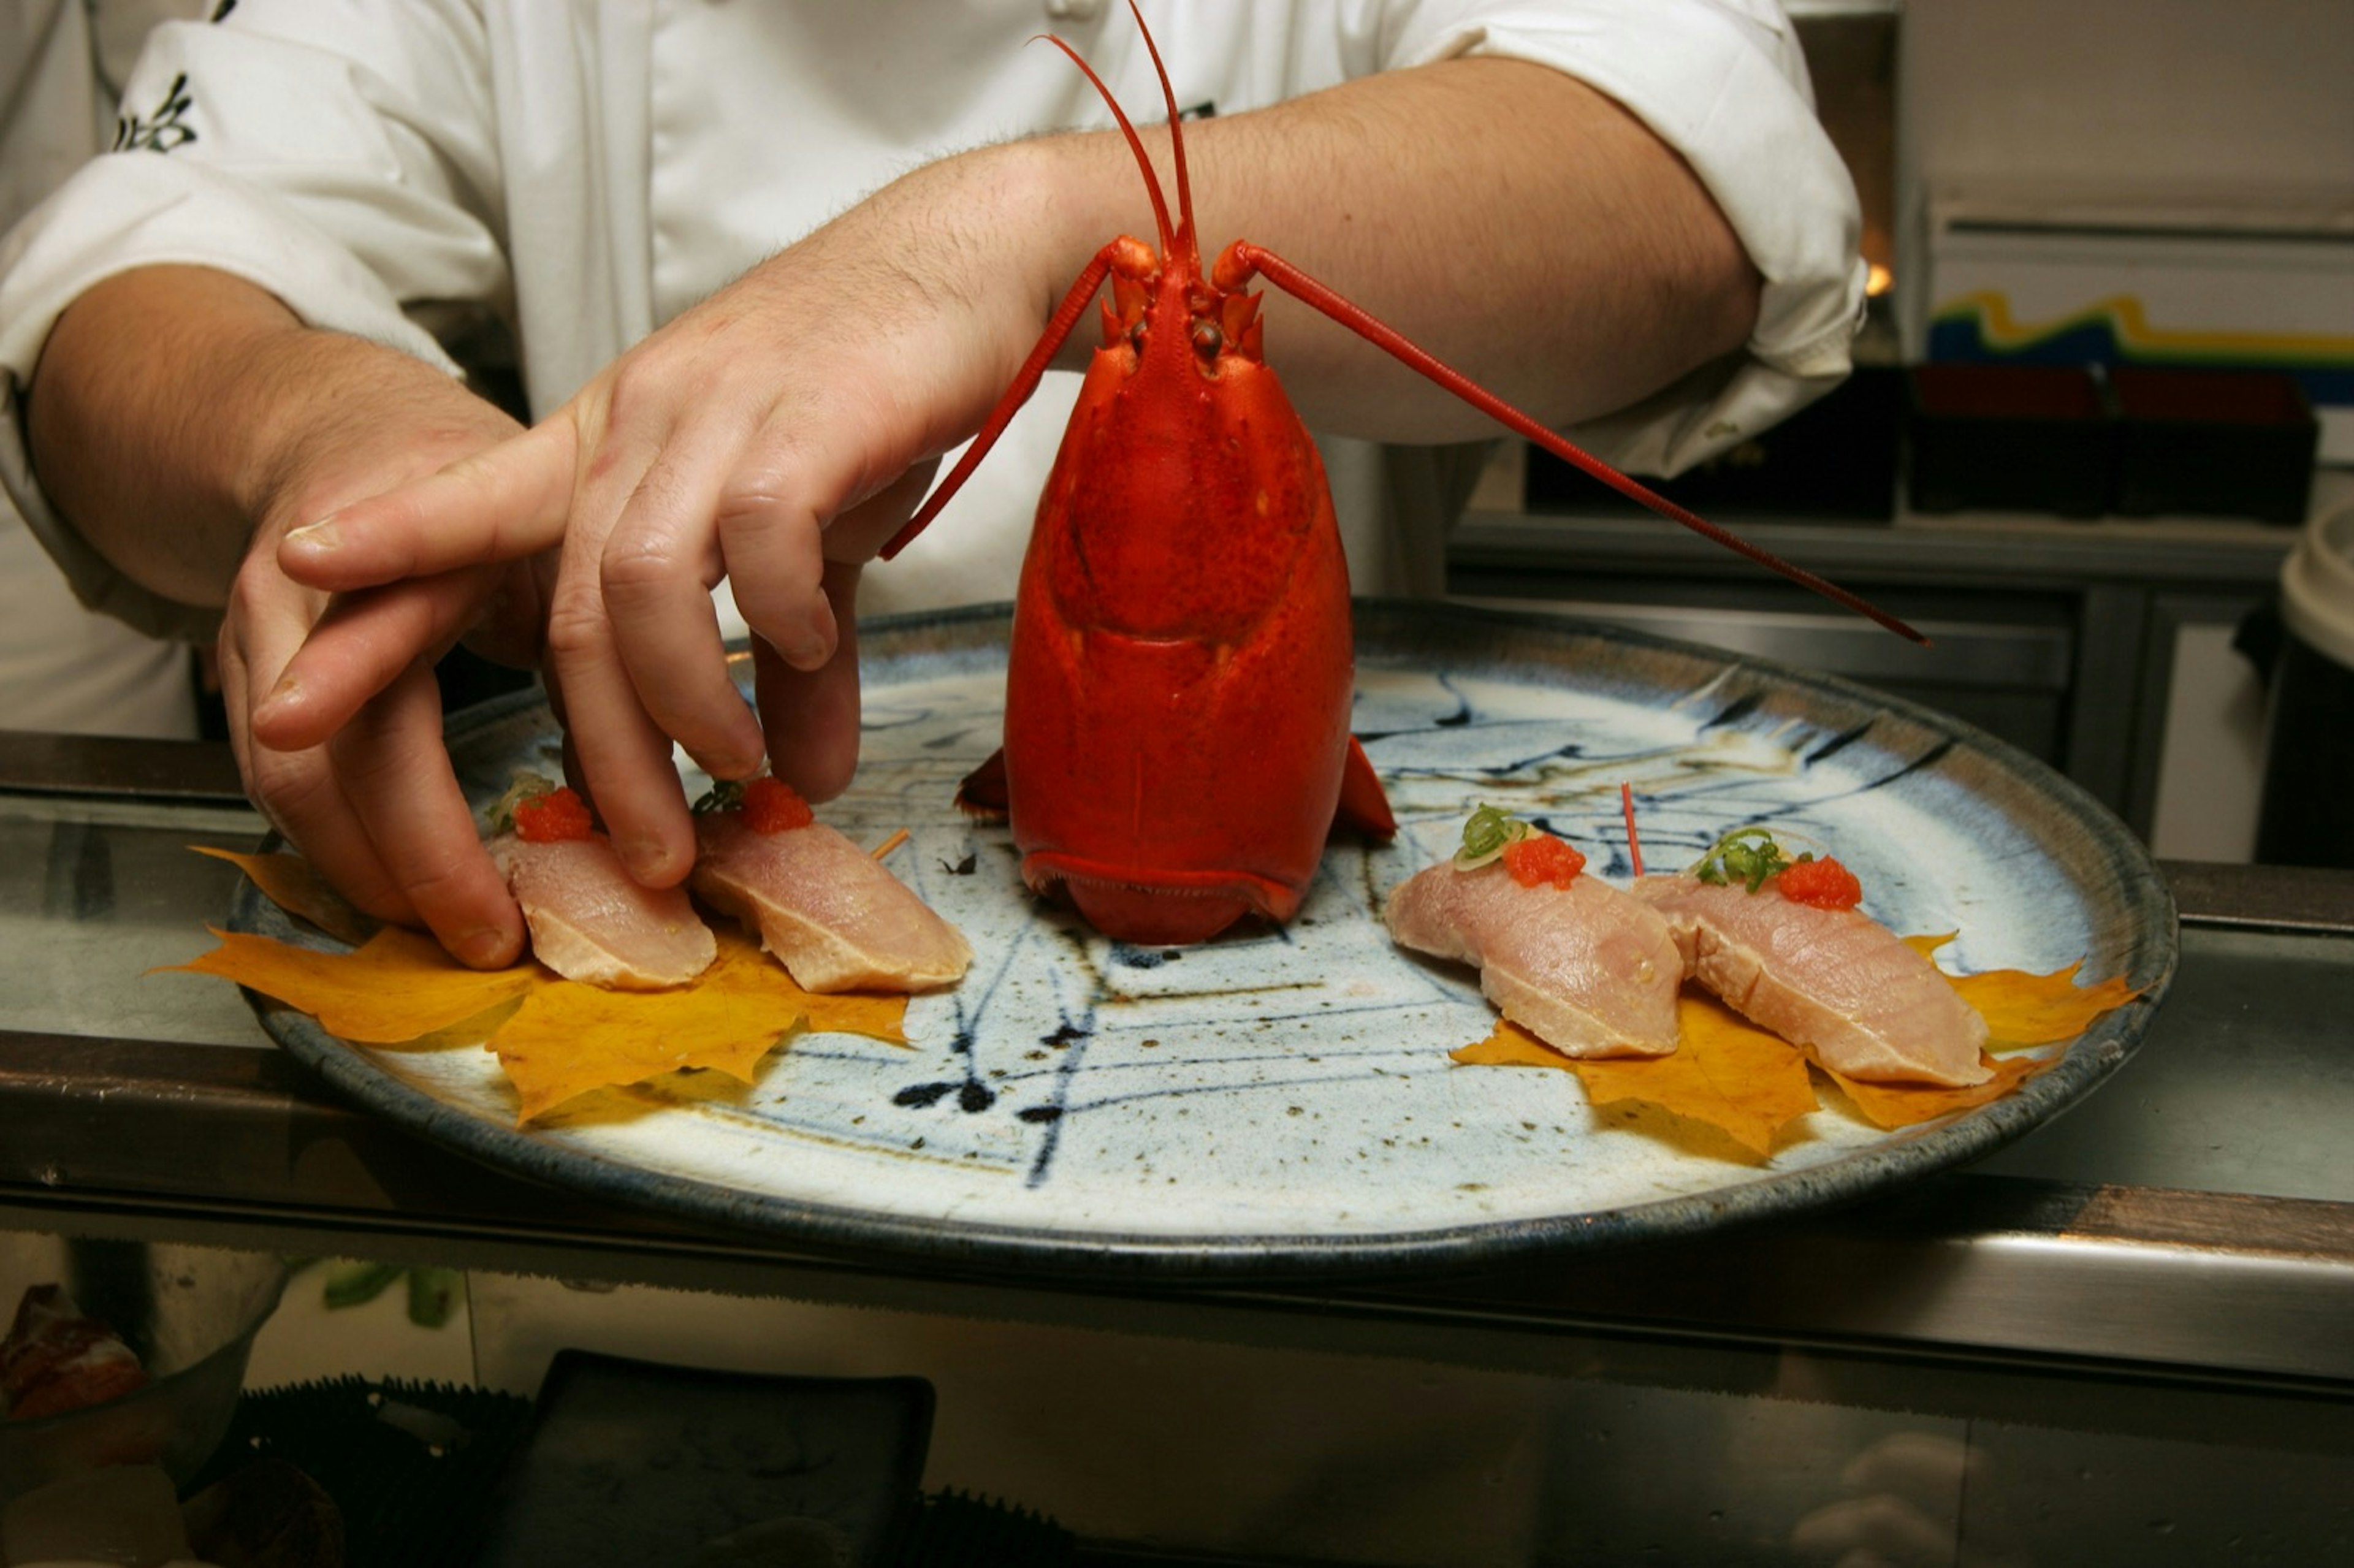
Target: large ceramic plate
x: 1281, y: 1101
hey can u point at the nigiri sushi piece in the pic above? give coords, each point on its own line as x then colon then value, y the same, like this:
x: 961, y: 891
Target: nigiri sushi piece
x: 833, y: 916
x: 1834, y: 979
x: 1587, y: 969
x: 591, y: 921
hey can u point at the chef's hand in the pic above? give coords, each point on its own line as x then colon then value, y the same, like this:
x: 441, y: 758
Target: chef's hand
x: 184, y: 419
x: 777, y: 435
x: 366, y: 791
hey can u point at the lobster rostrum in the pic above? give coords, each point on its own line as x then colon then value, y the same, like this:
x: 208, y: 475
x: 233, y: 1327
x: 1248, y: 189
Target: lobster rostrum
x: 1177, y: 744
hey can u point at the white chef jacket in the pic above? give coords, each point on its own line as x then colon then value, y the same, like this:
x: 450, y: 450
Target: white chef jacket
x: 589, y: 168
x: 63, y: 668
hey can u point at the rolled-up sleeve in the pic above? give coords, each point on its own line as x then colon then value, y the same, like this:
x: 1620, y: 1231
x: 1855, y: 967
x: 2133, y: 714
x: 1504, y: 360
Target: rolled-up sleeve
x: 339, y: 153
x: 1724, y: 83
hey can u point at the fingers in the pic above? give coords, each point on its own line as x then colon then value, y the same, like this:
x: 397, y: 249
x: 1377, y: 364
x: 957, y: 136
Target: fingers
x: 390, y: 762
x: 361, y: 646
x: 862, y: 530
x: 622, y: 756
x: 634, y: 650
x: 347, y: 761
x: 686, y: 460
x: 376, y: 810
x: 296, y: 790
x: 810, y: 717
x: 656, y: 575
x: 299, y: 794
x: 346, y: 758
x: 496, y: 506
x: 508, y: 631
x: 634, y: 643
x: 771, y: 544
x: 797, y: 590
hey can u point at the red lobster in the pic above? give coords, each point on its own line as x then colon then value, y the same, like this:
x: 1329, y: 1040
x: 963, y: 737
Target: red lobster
x: 1177, y: 743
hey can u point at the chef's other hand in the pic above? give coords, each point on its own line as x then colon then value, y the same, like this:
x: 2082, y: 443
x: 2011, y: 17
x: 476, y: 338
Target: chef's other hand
x: 364, y: 789
x: 777, y: 435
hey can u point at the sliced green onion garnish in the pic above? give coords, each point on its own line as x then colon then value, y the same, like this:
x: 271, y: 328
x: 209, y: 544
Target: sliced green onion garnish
x: 1486, y: 835
x: 725, y: 795
x: 1747, y: 855
x: 526, y: 787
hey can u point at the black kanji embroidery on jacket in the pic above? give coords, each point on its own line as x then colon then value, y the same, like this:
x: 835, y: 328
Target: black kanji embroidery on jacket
x: 162, y: 132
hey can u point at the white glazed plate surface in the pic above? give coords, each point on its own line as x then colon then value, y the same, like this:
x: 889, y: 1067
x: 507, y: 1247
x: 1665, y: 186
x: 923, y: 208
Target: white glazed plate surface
x: 1281, y: 1101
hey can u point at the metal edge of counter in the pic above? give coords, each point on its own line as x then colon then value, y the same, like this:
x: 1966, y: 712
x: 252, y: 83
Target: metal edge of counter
x: 175, y: 771
x: 2196, y: 1283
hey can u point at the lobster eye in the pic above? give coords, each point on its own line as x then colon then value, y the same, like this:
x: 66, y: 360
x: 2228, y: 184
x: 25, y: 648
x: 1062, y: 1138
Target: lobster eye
x: 1208, y: 339
x: 1135, y: 335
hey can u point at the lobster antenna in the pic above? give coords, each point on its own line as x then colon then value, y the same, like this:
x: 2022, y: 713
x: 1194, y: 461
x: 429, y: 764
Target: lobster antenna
x: 1241, y: 259
x: 1135, y: 143
x: 1176, y: 137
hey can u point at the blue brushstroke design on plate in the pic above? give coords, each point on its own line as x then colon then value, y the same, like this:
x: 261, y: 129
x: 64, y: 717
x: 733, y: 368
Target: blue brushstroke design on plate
x: 1280, y: 1102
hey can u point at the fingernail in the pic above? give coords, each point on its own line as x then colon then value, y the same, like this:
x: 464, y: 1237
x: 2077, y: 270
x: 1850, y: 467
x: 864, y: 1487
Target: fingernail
x: 318, y: 536
x: 647, y: 858
x: 484, y: 947
x: 285, y: 693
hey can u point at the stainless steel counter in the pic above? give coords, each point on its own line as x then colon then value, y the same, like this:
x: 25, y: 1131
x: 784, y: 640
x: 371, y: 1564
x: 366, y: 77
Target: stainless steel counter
x: 2172, y: 1261
x: 2017, y: 552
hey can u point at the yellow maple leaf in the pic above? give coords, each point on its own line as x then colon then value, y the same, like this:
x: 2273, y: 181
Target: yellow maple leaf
x: 568, y: 1039
x: 2022, y: 1009
x: 1735, y: 1077
x: 1511, y: 1046
x: 288, y: 881
x: 565, y: 1039
x: 395, y: 987
x: 1927, y: 946
x: 2025, y: 1009
x: 1892, y: 1106
x: 1727, y: 1073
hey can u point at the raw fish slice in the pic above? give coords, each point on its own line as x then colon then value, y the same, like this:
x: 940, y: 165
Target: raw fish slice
x: 591, y: 921
x: 833, y: 916
x: 1831, y: 978
x: 1586, y: 968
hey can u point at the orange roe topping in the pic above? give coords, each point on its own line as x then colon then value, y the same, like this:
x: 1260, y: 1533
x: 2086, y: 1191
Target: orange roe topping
x: 546, y: 819
x: 1825, y: 883
x: 773, y: 806
x: 1541, y: 858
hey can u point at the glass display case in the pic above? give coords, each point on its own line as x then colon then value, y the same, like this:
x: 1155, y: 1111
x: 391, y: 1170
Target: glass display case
x: 2129, y: 1336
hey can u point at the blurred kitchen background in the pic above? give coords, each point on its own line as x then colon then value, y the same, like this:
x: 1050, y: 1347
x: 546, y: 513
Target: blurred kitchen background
x: 2106, y: 383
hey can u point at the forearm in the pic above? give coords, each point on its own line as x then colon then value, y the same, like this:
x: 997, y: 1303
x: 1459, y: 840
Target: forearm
x: 171, y: 405
x: 1516, y: 222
